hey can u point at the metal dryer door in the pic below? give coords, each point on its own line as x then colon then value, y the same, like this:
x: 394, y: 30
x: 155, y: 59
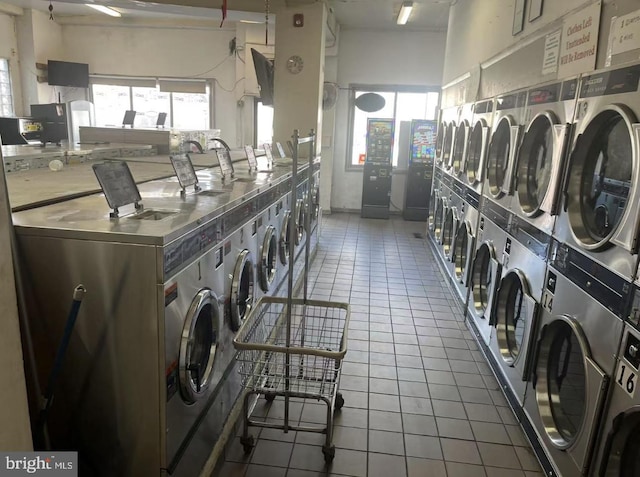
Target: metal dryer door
x: 442, y: 127
x: 268, y: 259
x: 485, y: 277
x: 515, y: 318
x: 460, y: 147
x: 538, y: 168
x: 569, y: 388
x: 478, y: 145
x: 242, y: 292
x: 441, y: 211
x: 433, y: 206
x: 603, y: 183
x: 621, y: 455
x: 448, y: 231
x: 463, y: 251
x: 500, y: 158
x: 447, y: 146
x: 300, y: 219
x: 284, y: 237
x: 198, y: 345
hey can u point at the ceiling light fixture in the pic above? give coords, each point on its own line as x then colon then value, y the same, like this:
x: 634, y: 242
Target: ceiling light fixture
x: 103, y: 9
x: 405, y: 11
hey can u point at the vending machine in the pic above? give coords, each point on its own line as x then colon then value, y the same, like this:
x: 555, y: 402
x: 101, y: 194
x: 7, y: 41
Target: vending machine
x: 420, y: 172
x: 376, y: 185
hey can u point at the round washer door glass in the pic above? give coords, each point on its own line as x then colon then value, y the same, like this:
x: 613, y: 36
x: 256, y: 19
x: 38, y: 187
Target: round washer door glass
x: 440, y: 139
x: 601, y: 173
x: 534, y: 163
x: 499, y: 150
x: 482, y: 278
x: 198, y: 346
x: 448, y: 143
x: 284, y: 237
x: 561, y: 385
x: 474, y: 156
x: 511, y: 316
x: 460, y: 250
x: 268, y: 259
x: 448, y: 229
x: 242, y: 283
x: 459, y: 146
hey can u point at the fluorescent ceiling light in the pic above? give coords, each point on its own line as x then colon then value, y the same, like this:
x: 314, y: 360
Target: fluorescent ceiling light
x: 405, y: 11
x: 103, y: 9
x: 253, y: 22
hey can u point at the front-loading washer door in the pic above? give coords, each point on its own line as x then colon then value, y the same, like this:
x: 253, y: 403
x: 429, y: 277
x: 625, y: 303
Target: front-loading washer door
x: 198, y: 345
x: 569, y: 388
x: 300, y: 218
x: 440, y: 141
x: 460, y: 147
x: 485, y: 278
x: 433, y: 206
x: 516, y: 312
x: 474, y: 165
x: 501, y: 151
x: 284, y: 237
x: 441, y: 212
x: 602, y: 184
x: 463, y: 250
x: 447, y: 146
x: 621, y: 457
x: 242, y: 283
x: 539, y: 159
x: 448, y: 231
x: 268, y: 259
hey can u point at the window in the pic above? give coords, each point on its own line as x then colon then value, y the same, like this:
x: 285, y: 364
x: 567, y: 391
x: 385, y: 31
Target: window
x: 263, y: 124
x: 401, y: 104
x: 6, y: 96
x: 185, y: 110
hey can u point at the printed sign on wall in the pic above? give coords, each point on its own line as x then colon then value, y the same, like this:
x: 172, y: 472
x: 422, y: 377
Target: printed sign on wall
x: 551, y: 49
x: 625, y: 33
x: 579, y: 41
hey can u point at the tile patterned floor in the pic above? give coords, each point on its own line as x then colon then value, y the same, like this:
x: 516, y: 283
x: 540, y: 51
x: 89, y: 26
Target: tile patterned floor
x: 420, y: 399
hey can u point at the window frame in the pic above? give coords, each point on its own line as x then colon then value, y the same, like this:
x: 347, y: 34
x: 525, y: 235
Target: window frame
x: 11, y: 92
x: 122, y: 81
x: 386, y: 88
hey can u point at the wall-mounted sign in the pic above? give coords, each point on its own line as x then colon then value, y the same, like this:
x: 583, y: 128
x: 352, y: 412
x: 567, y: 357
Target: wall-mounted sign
x: 518, y: 17
x: 551, y: 51
x: 579, y: 43
x: 625, y: 33
x: 535, y: 9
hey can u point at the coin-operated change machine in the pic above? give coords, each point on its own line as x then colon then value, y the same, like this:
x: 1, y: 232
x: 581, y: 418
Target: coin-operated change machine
x: 420, y: 172
x: 376, y: 186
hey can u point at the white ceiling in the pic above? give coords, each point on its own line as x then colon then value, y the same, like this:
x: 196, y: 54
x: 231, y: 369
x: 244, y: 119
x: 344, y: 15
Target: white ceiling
x: 429, y: 15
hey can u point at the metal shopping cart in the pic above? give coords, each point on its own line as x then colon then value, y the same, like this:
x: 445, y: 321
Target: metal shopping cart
x: 293, y: 347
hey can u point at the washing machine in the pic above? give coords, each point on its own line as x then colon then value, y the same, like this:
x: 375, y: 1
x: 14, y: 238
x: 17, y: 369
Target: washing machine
x: 618, y: 451
x: 198, y: 350
x: 515, y: 313
x: 267, y: 250
x: 505, y: 140
x: 434, y: 204
x: 461, y: 140
x: 464, y: 245
x: 579, y: 333
x: 448, y: 122
x: 452, y: 222
x: 599, y: 212
x: 541, y: 156
x: 486, y: 270
x: 239, y: 264
x: 479, y: 137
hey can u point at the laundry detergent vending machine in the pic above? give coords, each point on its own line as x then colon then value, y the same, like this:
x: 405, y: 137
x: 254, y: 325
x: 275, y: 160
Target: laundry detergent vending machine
x: 150, y: 378
x: 535, y: 221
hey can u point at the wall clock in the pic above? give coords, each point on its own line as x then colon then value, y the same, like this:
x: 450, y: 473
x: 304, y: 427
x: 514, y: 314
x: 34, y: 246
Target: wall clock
x: 295, y: 64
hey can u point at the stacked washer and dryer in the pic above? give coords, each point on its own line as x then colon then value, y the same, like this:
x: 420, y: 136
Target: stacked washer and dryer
x: 556, y: 270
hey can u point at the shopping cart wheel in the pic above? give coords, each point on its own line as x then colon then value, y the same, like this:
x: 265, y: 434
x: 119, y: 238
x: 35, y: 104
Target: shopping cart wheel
x: 247, y: 443
x: 269, y: 396
x: 339, y: 401
x: 329, y: 453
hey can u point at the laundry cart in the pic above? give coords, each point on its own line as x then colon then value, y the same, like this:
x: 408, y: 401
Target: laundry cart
x: 293, y: 347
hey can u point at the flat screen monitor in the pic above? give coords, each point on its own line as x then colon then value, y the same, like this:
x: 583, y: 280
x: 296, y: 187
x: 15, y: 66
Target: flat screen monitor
x: 64, y: 73
x: 264, y: 74
x: 129, y: 117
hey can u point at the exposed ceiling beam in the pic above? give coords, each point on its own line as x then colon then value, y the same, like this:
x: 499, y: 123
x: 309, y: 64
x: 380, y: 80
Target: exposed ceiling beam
x: 11, y: 9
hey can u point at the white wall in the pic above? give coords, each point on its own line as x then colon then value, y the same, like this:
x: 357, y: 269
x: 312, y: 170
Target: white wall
x: 9, y: 50
x: 378, y: 57
x: 138, y: 49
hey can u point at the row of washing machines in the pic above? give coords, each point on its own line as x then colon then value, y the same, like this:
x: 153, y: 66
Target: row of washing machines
x: 150, y: 376
x: 535, y: 216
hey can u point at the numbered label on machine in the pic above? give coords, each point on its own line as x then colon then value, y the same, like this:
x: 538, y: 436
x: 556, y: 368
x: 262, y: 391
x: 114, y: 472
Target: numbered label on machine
x: 627, y: 371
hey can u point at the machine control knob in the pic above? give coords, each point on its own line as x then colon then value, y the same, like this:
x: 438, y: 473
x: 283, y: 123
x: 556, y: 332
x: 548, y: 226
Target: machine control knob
x: 633, y: 351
